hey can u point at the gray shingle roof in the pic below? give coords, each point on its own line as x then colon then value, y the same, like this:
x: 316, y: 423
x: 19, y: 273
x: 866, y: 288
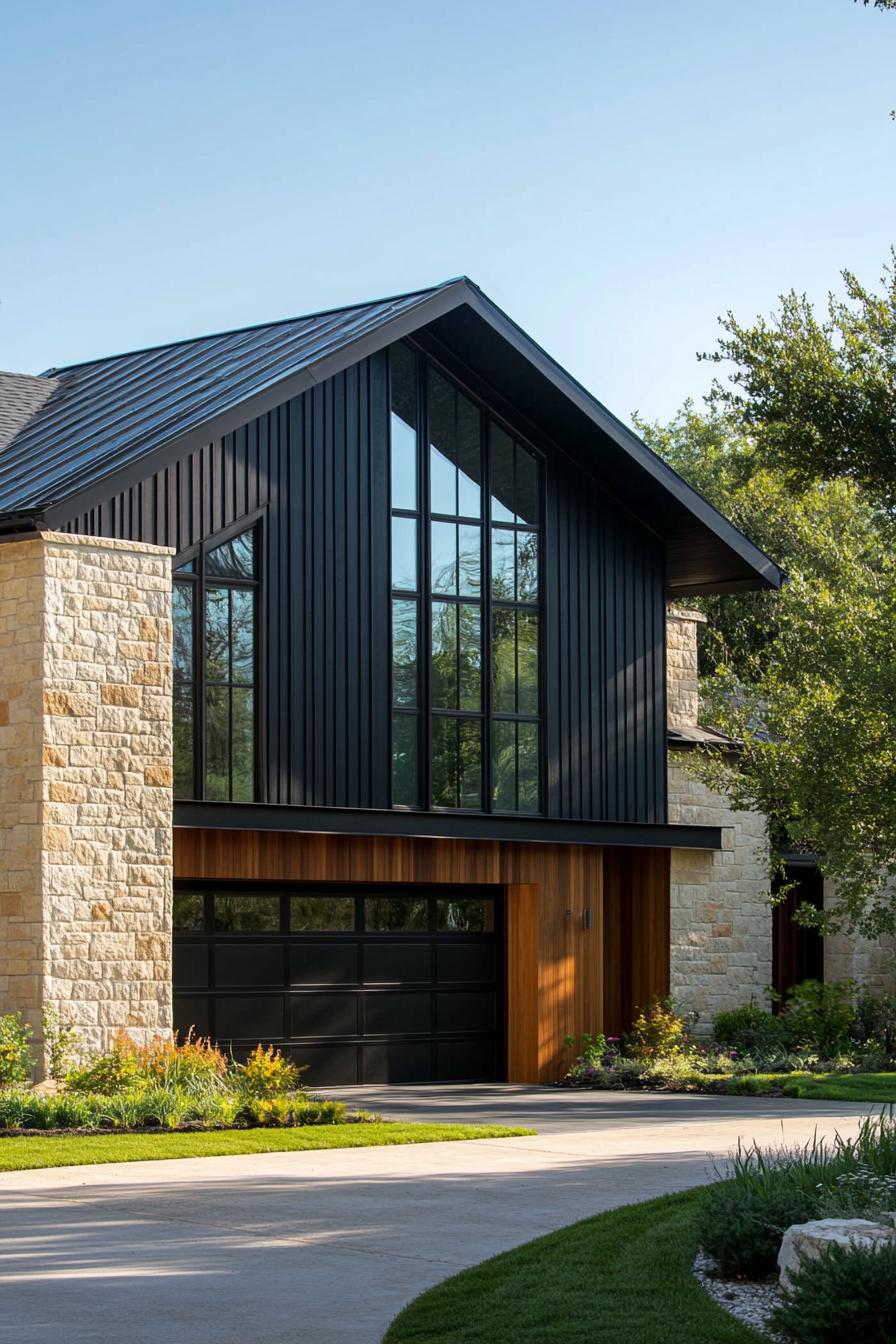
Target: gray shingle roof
x: 21, y: 397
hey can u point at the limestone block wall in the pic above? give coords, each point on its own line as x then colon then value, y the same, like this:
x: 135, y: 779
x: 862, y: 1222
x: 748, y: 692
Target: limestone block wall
x: 870, y: 962
x: 721, y: 922
x: 85, y: 783
x: 682, y: 677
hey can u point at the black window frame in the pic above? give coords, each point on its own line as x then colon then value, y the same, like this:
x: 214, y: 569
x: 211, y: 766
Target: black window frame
x: 199, y: 579
x: 424, y: 596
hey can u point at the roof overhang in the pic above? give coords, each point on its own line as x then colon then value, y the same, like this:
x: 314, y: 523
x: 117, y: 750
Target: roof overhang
x: 705, y: 553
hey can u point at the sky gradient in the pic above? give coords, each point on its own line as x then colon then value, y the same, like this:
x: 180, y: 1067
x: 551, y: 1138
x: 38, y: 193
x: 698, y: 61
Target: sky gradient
x: 613, y: 175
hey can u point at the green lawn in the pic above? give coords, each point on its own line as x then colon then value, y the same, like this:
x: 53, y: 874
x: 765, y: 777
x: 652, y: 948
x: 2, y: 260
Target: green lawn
x: 841, y: 1086
x: 621, y: 1278
x: 19, y: 1153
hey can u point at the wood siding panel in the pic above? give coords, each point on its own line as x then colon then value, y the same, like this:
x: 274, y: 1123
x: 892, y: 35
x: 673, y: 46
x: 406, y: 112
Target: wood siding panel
x: 555, y: 964
x: 636, y: 932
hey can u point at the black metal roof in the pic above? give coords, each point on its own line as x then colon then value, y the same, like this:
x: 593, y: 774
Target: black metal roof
x: 110, y: 422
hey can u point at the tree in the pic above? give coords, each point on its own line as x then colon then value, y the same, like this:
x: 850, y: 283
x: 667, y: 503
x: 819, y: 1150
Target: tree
x: 806, y: 678
x: 817, y: 395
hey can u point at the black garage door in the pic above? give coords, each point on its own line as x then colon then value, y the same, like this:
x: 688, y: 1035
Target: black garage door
x: 376, y: 985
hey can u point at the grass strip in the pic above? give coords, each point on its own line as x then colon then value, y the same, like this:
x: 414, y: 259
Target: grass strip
x: 623, y: 1277
x: 23, y: 1153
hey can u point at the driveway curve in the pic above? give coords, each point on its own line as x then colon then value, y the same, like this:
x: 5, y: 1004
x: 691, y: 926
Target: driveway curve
x: 328, y: 1246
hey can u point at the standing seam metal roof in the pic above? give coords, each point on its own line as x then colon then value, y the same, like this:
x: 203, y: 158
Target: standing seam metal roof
x: 108, y: 413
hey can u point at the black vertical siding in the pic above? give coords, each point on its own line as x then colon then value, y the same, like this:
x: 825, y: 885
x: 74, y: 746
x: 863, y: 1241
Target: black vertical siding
x: 317, y: 467
x: 604, y: 656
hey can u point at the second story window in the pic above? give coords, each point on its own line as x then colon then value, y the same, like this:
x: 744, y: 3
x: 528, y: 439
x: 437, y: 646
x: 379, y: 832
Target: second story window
x: 215, y: 671
x: 466, y: 728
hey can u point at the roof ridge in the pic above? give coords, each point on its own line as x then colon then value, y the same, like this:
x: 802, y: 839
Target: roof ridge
x: 56, y: 370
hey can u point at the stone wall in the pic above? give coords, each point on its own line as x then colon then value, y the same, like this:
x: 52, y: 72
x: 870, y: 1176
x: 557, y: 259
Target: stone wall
x: 870, y: 962
x: 721, y: 921
x: 85, y: 783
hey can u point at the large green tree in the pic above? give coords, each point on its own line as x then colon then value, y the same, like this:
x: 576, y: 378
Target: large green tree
x: 807, y: 678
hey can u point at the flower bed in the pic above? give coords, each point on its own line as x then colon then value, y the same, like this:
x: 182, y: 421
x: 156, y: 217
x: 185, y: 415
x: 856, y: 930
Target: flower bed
x: 164, y: 1084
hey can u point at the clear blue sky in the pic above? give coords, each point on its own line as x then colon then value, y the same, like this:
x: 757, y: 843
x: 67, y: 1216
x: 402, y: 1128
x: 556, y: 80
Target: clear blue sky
x: 614, y: 173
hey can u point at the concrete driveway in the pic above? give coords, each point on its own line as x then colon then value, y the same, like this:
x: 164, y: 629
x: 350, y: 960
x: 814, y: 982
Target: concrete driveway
x: 327, y: 1247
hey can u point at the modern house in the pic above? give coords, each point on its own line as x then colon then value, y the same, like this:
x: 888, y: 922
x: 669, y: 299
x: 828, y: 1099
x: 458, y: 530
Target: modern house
x: 333, y: 700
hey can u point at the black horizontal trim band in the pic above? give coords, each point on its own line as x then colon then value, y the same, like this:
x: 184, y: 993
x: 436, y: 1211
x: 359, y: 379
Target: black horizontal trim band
x: 440, y: 825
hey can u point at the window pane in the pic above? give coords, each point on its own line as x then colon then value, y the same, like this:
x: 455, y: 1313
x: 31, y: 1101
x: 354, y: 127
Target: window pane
x: 182, y: 616
x: 503, y: 589
x: 183, y: 740
x: 470, y: 763
x: 405, y: 791
x: 527, y: 756
x: 404, y: 554
x: 442, y: 483
x: 189, y: 912
x: 469, y: 560
x: 527, y: 566
x: 330, y: 914
x: 188, y: 568
x: 504, y: 766
x: 527, y: 662
x: 234, y: 559
x: 444, y: 655
x: 404, y: 652
x: 217, y: 634
x: 247, y: 914
x: 527, y: 510
x: 242, y: 653
x: 473, y: 915
x: 501, y: 475
x: 469, y: 458
x: 444, y: 762
x: 217, y: 743
x: 403, y: 369
x: 503, y: 661
x: 444, y: 557
x: 243, y: 746
x: 469, y: 657
x: 395, y: 914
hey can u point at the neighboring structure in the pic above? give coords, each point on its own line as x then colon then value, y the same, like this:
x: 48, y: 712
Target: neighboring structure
x: 421, y: 824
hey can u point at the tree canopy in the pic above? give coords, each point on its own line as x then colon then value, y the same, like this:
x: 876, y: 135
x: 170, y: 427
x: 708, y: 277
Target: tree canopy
x: 806, y: 678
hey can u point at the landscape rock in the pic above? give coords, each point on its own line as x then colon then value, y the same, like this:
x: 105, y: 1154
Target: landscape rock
x: 806, y: 1241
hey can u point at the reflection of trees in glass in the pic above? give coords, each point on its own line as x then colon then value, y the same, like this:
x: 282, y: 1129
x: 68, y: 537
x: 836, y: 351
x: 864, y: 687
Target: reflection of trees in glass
x: 404, y: 652
x: 247, y: 914
x: 189, y: 912
x: 472, y: 915
x: 395, y: 914
x: 322, y: 913
x: 456, y: 656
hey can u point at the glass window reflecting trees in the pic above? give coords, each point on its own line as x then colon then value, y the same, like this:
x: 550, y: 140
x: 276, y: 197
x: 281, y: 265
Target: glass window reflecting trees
x: 465, y: 600
x: 215, y: 671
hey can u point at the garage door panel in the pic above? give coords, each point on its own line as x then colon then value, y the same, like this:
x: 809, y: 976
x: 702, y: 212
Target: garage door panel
x: 397, y: 1062
x: 475, y: 1011
x: 190, y: 965
x: 464, y: 1061
x: 323, y: 963
x: 397, y: 963
x: 466, y: 962
x: 328, y: 1065
x: 245, y: 1017
x: 323, y: 1015
x: 397, y: 1014
x: 242, y: 963
x: 192, y: 1011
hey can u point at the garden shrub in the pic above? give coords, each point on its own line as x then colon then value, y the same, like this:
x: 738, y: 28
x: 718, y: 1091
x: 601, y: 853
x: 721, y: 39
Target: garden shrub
x: 819, y: 1017
x: 104, y: 1075
x: 742, y: 1220
x: 60, y: 1043
x: 16, y: 1059
x: 846, y: 1293
x: 194, y: 1064
x: 266, y: 1073
x: 657, y: 1032
x: 876, y: 1023
x: 749, y: 1030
